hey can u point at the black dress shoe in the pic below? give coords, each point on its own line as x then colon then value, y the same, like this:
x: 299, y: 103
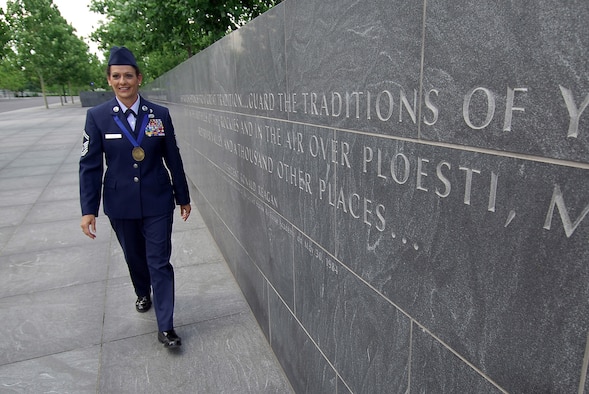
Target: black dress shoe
x: 143, y: 304
x: 169, y: 338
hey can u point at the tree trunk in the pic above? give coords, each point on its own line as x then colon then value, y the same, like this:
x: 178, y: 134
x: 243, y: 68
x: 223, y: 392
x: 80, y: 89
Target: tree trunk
x: 43, y: 90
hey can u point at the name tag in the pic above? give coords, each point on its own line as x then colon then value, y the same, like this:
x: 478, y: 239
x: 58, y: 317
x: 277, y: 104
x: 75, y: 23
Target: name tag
x: 112, y: 136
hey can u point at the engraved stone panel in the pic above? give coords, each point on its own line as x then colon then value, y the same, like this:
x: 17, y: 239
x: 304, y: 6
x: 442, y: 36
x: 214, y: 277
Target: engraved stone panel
x: 508, y: 76
x: 354, y: 66
x: 259, y: 50
x: 337, y: 308
x: 401, y: 188
x: 474, y: 247
x: 307, y: 368
x: 435, y: 369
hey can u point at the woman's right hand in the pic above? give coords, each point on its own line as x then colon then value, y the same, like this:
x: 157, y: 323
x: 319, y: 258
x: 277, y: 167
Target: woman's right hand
x: 88, y: 225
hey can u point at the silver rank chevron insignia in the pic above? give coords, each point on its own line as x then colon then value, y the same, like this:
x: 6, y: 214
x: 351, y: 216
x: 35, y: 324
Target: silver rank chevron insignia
x: 85, y: 143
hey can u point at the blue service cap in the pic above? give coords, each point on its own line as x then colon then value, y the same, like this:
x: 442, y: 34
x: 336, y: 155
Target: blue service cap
x: 121, y: 56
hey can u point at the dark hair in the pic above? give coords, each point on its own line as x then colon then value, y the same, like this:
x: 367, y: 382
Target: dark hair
x: 137, y: 71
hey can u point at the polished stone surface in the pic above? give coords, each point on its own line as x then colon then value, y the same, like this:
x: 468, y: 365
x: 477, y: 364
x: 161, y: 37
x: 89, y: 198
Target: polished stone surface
x: 90, y: 99
x: 400, y: 189
x: 508, y: 76
x: 67, y: 304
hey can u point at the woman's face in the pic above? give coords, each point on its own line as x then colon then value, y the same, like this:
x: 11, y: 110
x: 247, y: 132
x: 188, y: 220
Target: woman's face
x: 125, y: 83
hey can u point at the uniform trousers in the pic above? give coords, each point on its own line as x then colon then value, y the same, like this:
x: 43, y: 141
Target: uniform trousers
x: 147, y: 246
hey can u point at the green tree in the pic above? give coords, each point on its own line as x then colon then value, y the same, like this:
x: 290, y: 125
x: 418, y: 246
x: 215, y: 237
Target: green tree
x: 46, y: 48
x: 4, y: 35
x: 96, y: 76
x: 10, y: 76
x: 162, y: 34
x: 74, y: 66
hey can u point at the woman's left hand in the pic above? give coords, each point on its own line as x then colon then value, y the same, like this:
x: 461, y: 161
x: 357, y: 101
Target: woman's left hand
x: 185, y: 211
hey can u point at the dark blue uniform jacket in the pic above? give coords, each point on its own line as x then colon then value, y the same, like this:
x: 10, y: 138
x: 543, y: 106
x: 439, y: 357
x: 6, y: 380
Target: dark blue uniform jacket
x: 132, y: 189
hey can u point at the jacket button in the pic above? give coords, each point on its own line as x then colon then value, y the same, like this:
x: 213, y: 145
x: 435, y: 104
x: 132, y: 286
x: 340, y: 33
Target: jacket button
x: 136, y: 179
x: 135, y: 165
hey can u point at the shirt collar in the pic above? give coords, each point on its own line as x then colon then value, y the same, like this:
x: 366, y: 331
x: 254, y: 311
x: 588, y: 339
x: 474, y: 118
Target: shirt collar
x: 134, y: 107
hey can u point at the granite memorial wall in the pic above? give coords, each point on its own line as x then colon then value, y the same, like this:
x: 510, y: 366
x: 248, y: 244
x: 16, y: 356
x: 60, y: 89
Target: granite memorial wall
x: 92, y: 98
x: 401, y: 189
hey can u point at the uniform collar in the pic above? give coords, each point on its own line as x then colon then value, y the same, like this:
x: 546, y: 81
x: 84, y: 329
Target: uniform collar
x: 134, y: 107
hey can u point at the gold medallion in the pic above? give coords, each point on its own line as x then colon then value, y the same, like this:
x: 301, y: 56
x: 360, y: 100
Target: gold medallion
x: 138, y: 153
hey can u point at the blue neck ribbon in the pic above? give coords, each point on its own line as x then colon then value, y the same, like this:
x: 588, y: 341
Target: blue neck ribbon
x: 136, y: 143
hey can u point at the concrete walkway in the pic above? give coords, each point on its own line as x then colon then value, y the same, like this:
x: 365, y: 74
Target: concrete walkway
x: 67, y: 316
